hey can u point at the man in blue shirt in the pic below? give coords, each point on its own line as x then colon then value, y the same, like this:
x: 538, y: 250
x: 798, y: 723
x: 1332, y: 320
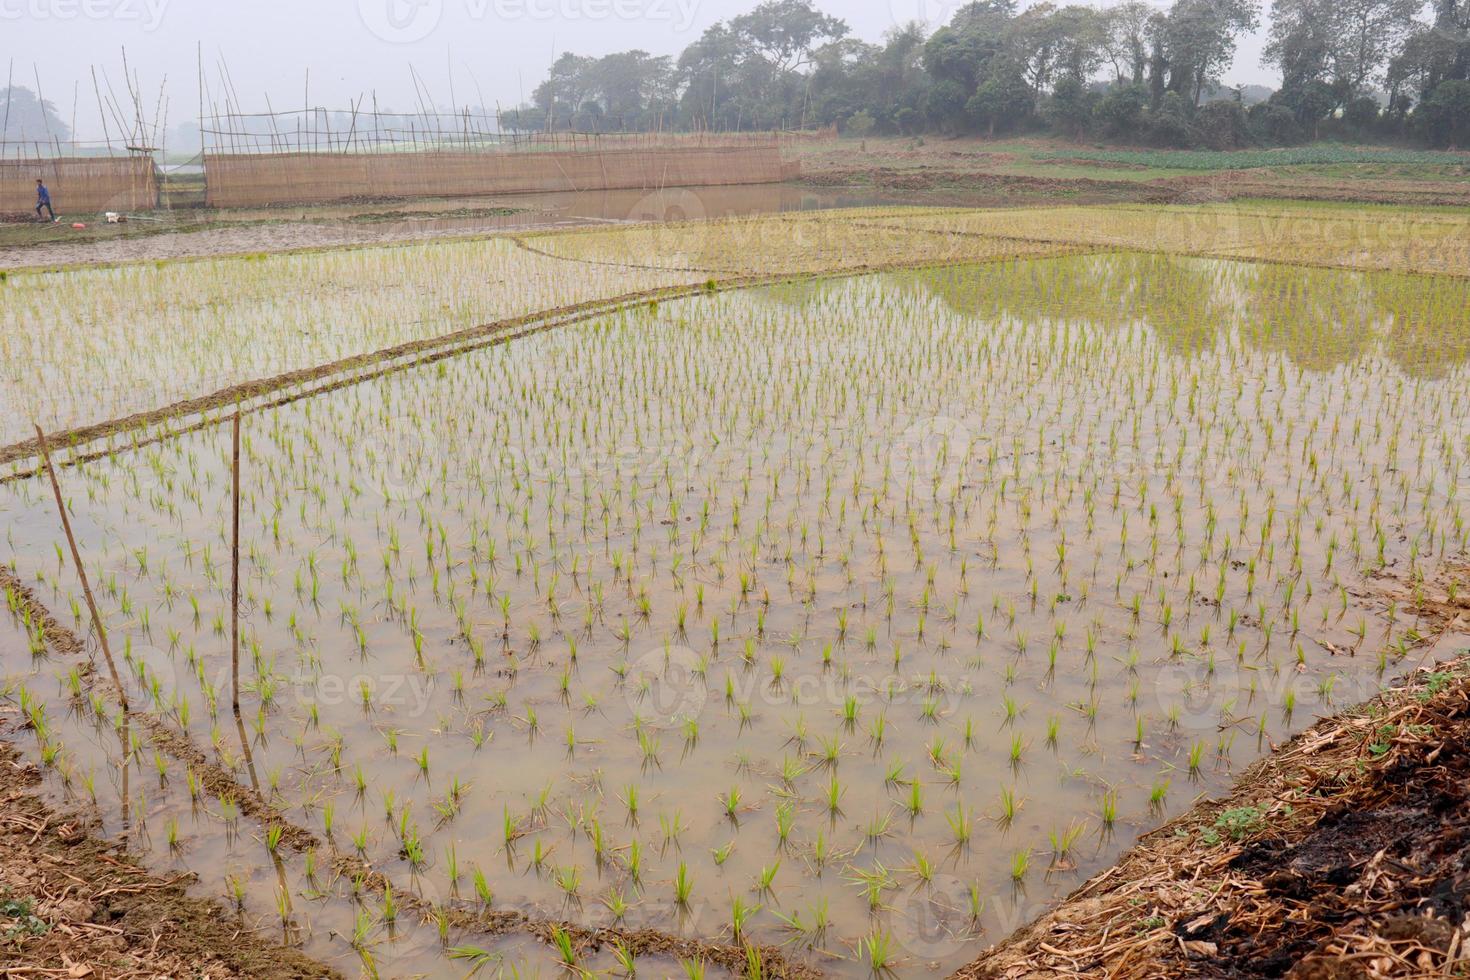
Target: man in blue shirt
x: 43, y: 200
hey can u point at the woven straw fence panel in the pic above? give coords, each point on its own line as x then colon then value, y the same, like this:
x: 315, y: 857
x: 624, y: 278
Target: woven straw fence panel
x: 254, y: 180
x: 80, y: 184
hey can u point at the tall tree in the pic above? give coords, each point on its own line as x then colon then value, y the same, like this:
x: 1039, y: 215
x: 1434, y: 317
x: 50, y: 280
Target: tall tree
x: 1434, y: 66
x: 565, y: 91
x: 1125, y: 40
x: 994, y: 67
x: 1197, y: 40
x: 887, y: 83
x: 1452, y: 24
x: 785, y: 33
x: 1368, y: 33
x: 708, y: 74
x: 1004, y: 99
x: 754, y: 71
x: 1054, y: 43
x: 1345, y: 44
x: 961, y: 51
x: 1300, y: 41
x: 26, y: 117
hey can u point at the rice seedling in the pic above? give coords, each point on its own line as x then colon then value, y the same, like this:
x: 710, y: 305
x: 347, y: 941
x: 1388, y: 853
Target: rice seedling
x: 566, y: 950
x: 914, y: 805
x: 1158, y: 793
x: 872, y: 883
x: 835, y: 793
x: 740, y: 914
x: 390, y: 906
x: 959, y: 824
x: 878, y: 950
x: 569, y: 880
x: 683, y: 885
x: 627, y: 962
x: 1108, y: 808
x: 730, y: 803
x: 1020, y: 862
x: 483, y: 891
x: 1063, y: 842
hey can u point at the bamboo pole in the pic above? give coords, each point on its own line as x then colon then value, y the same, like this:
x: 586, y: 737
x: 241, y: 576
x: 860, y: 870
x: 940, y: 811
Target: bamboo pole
x: 235, y: 568
x: 76, y: 557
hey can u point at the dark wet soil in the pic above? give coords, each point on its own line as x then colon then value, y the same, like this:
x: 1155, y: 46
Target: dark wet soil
x: 1393, y: 865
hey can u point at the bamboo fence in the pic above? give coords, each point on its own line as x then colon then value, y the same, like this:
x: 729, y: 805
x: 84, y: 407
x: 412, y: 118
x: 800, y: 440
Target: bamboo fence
x: 261, y: 179
x: 80, y: 184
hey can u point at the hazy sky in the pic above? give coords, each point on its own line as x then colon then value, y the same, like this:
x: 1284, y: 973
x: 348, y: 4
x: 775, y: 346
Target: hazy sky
x: 356, y: 46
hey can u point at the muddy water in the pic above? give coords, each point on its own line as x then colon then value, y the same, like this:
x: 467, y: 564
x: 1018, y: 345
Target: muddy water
x: 792, y: 590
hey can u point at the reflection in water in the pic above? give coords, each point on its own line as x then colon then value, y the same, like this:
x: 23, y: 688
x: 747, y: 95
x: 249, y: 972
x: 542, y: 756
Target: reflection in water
x: 1319, y: 318
x: 283, y: 889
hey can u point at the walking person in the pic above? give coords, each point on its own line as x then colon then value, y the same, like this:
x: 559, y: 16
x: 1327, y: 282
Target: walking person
x: 43, y: 200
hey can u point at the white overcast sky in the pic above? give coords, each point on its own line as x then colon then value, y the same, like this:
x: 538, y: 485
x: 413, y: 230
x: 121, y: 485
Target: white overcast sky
x: 353, y: 47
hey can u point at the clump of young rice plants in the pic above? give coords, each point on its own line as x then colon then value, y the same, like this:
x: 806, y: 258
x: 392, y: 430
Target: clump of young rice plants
x: 751, y: 611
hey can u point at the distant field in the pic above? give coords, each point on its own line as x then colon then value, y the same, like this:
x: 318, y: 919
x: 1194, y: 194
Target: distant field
x: 1317, y: 154
x: 1088, y: 170
x: 1035, y: 171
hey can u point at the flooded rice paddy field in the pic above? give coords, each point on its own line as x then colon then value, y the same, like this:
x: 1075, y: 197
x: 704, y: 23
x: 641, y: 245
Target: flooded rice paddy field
x: 91, y: 345
x: 861, y: 617
x: 1364, y: 237
x: 86, y: 346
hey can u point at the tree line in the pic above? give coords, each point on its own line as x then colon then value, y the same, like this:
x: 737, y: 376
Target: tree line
x: 1134, y: 72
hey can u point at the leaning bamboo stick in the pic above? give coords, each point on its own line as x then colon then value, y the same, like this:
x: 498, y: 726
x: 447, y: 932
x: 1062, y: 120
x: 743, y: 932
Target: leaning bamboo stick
x: 76, y: 557
x: 235, y: 569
